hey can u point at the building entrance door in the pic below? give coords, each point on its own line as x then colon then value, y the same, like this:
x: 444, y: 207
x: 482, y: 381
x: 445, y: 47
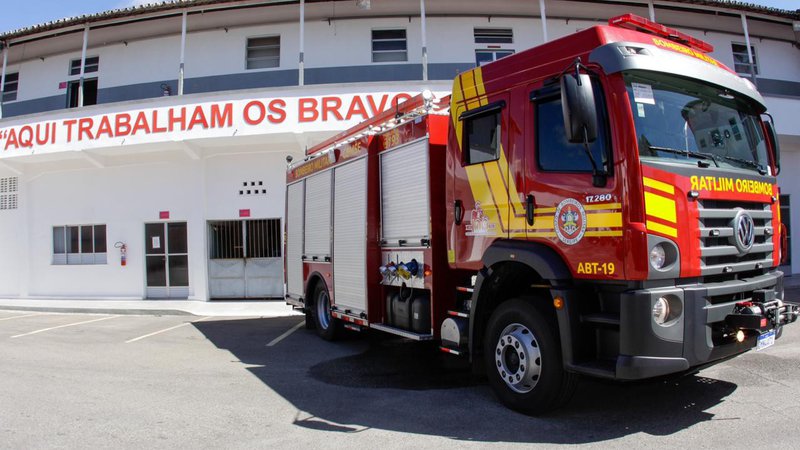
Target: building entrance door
x: 167, y: 260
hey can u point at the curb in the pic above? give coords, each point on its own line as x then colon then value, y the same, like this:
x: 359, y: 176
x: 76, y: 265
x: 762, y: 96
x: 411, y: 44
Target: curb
x: 132, y: 312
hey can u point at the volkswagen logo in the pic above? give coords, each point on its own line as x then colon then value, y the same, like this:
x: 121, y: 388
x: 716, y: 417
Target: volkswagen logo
x: 743, y: 231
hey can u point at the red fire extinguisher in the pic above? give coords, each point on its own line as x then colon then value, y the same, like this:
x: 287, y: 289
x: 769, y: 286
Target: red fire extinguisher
x: 123, y: 253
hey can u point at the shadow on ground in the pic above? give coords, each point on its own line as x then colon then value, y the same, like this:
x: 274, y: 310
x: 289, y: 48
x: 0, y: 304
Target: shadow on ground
x: 372, y: 381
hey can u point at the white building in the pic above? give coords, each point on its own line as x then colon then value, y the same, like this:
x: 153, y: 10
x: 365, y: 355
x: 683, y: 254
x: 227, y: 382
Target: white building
x: 175, y: 145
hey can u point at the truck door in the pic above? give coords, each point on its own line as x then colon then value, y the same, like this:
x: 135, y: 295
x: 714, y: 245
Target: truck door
x: 480, y: 178
x: 581, y: 219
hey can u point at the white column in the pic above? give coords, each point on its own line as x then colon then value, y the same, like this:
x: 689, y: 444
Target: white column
x: 301, y: 63
x: 83, y: 64
x: 543, y: 14
x: 424, y: 41
x: 652, y: 10
x: 3, y: 77
x: 749, y: 52
x: 183, y: 53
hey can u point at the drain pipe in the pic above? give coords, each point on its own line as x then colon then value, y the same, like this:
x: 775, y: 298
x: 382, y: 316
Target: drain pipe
x: 301, y: 76
x: 749, y: 50
x: 424, y: 41
x: 543, y: 15
x: 3, y: 77
x: 183, y: 53
x: 83, y: 64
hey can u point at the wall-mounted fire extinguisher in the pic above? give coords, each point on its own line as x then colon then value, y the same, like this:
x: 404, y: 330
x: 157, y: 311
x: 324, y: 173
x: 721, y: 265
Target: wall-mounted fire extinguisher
x: 123, y: 253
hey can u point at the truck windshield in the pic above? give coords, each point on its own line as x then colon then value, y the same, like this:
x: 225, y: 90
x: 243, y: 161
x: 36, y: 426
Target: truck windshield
x: 687, y: 121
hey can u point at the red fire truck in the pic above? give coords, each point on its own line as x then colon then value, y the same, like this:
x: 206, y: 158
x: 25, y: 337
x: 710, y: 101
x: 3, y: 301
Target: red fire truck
x: 604, y: 204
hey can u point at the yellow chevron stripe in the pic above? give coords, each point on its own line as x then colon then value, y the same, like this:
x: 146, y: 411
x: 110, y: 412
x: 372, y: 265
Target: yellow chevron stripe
x: 658, y: 185
x: 604, y: 220
x: 609, y: 233
x: 663, y: 229
x: 660, y: 207
x: 600, y: 206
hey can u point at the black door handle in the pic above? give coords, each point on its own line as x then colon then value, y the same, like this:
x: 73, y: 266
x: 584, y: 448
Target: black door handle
x: 529, y: 209
x: 459, y: 211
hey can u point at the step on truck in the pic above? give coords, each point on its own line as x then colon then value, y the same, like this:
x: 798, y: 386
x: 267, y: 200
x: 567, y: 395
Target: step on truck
x: 604, y: 205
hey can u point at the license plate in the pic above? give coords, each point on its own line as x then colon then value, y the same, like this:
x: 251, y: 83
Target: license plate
x: 766, y: 340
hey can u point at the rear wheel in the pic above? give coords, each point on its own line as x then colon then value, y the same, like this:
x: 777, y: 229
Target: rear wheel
x: 326, y: 325
x: 523, y: 359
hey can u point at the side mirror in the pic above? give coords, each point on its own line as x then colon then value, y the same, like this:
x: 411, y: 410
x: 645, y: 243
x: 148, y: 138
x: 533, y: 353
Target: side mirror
x: 772, y: 137
x: 578, y: 108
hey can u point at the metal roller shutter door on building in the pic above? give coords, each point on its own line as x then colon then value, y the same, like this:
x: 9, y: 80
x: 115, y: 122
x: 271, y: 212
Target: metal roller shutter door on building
x: 294, y: 239
x: 404, y: 193
x: 318, y: 216
x: 350, y: 235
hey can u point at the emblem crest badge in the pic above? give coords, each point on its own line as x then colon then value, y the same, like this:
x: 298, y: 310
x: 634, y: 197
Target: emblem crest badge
x: 570, y: 221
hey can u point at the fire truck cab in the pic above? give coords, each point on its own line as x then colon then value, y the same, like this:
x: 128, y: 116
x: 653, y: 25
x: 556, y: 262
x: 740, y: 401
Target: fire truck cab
x: 604, y: 204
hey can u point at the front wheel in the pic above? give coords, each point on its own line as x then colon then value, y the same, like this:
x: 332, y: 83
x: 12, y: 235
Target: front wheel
x: 523, y: 357
x: 326, y: 325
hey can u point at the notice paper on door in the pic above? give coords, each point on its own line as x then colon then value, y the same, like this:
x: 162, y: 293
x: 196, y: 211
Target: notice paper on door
x: 643, y: 93
x: 156, y: 242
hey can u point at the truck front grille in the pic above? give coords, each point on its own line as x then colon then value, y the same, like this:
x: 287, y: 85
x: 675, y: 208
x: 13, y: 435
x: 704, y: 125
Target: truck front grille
x: 718, y: 253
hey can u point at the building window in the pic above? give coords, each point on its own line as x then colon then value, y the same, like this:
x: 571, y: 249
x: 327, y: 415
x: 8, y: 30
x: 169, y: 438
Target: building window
x: 92, y: 65
x: 79, y: 244
x: 492, y: 40
x: 494, y: 36
x: 89, y: 92
x: 740, y: 61
x: 8, y: 193
x: 10, y: 87
x: 263, y: 52
x: 389, y: 46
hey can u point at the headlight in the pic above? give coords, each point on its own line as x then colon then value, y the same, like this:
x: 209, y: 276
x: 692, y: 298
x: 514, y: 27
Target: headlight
x: 658, y: 257
x: 667, y: 310
x: 660, y: 310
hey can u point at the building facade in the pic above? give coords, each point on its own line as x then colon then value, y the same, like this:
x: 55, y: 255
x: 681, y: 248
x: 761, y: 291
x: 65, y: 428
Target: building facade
x: 143, y: 151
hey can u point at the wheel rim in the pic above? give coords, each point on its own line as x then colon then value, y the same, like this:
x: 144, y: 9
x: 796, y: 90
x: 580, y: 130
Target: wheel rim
x: 324, y: 310
x: 518, y: 359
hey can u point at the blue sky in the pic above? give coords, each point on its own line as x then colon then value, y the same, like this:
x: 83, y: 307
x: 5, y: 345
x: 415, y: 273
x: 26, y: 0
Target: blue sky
x: 31, y: 12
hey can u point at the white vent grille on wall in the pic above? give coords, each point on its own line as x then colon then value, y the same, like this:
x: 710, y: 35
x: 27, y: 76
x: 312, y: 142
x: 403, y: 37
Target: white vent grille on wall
x: 8, y: 193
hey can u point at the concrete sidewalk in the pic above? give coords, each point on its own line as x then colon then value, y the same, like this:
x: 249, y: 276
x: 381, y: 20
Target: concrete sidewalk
x: 225, y: 308
x: 273, y: 308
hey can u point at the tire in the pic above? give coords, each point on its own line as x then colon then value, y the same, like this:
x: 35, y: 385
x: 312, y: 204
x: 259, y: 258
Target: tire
x: 327, y: 327
x: 523, y: 360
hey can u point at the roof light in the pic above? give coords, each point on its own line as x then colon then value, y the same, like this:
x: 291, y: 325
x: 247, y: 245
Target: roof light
x: 638, y: 23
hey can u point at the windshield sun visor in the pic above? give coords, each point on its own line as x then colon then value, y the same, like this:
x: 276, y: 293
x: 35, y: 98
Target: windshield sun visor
x: 624, y: 56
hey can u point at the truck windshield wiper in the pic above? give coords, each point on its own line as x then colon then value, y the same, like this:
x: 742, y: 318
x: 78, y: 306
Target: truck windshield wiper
x: 746, y: 162
x: 698, y: 155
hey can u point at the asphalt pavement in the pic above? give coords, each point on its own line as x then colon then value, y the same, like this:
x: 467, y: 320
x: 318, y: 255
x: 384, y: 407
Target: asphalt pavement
x: 129, y: 381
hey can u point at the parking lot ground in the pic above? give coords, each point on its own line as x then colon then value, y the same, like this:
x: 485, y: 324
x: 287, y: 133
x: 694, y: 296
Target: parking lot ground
x: 123, y: 381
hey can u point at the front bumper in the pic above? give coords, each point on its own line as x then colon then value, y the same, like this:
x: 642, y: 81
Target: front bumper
x: 704, y: 333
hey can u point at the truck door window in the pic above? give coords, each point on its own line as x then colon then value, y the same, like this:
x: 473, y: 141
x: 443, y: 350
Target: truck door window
x: 482, y: 133
x: 554, y: 152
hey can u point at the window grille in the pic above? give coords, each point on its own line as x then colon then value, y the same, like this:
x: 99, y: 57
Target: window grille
x: 236, y: 239
x: 9, y: 197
